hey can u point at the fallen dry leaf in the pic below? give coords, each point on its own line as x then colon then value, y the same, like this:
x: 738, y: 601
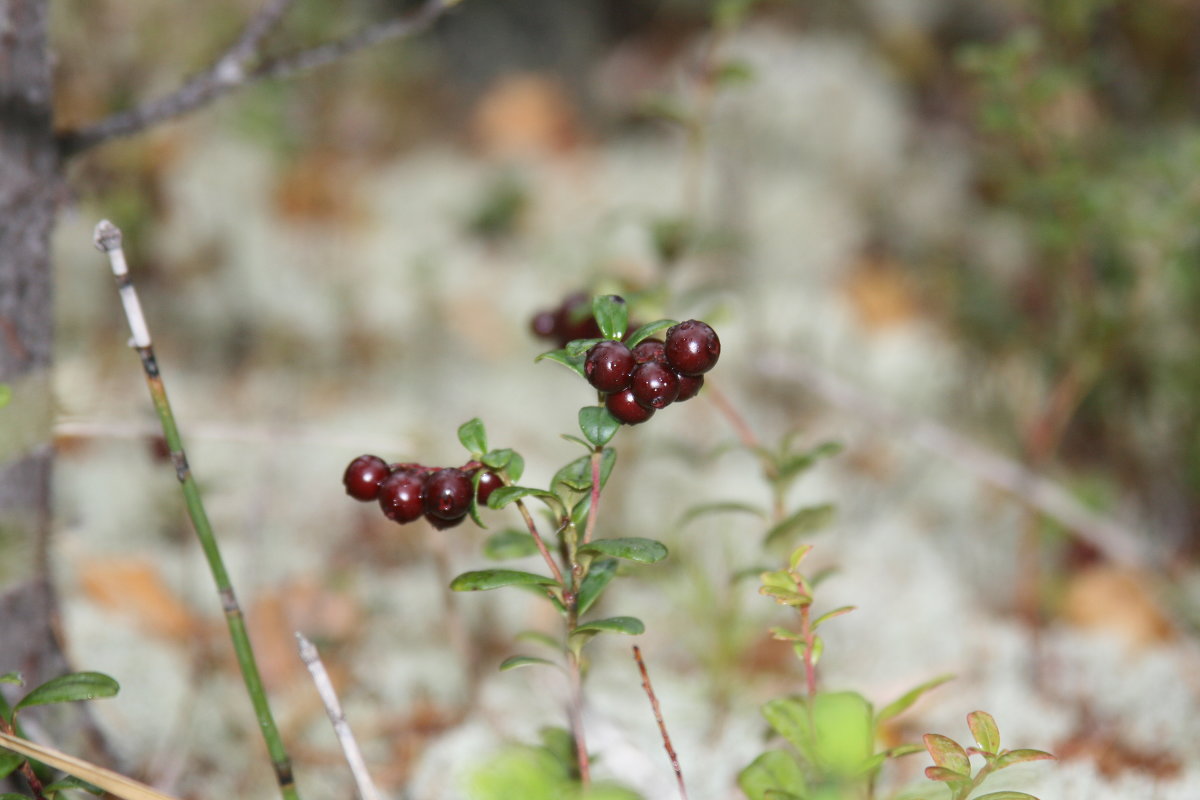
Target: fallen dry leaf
x: 525, y: 115
x: 1118, y: 600
x: 133, y: 587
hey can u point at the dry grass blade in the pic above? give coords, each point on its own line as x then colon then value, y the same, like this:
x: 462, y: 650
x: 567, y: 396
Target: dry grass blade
x: 106, y: 779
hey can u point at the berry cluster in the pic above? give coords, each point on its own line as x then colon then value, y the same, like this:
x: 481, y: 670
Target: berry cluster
x: 654, y: 373
x: 572, y: 320
x: 407, y: 492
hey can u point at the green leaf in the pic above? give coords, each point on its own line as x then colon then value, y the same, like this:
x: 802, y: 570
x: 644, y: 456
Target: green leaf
x: 473, y: 437
x: 540, y: 638
x: 5, y: 397
x: 837, y: 612
x: 574, y: 363
x: 774, y: 770
x: 646, y: 331
x: 634, y: 548
x: 901, y: 750
x: 791, y: 466
x: 945, y: 775
x: 720, y: 507
x: 577, y: 475
x: 68, y: 688
x: 612, y: 315
x: 10, y: 762
x: 497, y: 459
x: 948, y: 754
x: 806, y: 520
x: 509, y: 494
x: 734, y: 72
x: 598, y: 425
x: 482, y: 580
x: 473, y: 506
x: 630, y: 625
x: 580, y: 347
x: 1010, y: 757
x: 906, y: 700
x: 576, y: 440
x: 12, y: 677
x: 71, y: 782
x: 515, y: 662
x: 1008, y: 795
x: 839, y: 740
x: 600, y: 574
x: 789, y: 718
x: 785, y: 635
x: 509, y: 543
x: 983, y: 728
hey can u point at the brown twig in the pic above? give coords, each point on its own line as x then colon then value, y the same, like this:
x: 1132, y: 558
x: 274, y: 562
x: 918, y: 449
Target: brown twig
x: 541, y: 545
x: 235, y: 69
x: 658, y: 717
x: 594, y: 509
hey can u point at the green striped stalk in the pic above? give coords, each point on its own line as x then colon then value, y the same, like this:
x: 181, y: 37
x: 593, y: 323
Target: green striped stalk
x: 108, y: 239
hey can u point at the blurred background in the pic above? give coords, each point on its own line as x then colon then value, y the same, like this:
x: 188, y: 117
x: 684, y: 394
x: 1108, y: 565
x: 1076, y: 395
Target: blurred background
x: 959, y: 238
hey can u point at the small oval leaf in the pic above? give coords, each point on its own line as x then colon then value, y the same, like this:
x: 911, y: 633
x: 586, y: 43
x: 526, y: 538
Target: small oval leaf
x: 983, y: 728
x: 1008, y: 795
x: 805, y: 521
x: 599, y: 426
x: 509, y: 543
x: 12, y: 677
x: 1010, y: 757
x: 721, y: 507
x: 905, y: 701
x: 473, y: 437
x: 68, y: 688
x: 574, y: 363
x: 948, y: 753
x: 634, y: 548
x: 509, y: 494
x: 515, y: 662
x: 648, y: 330
x: 600, y: 574
x: 630, y: 625
x: 612, y: 315
x: 485, y: 579
x: 10, y: 762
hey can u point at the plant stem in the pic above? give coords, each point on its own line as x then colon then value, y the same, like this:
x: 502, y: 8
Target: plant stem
x: 575, y: 712
x: 108, y: 240
x: 595, y: 506
x: 810, y: 668
x: 35, y: 785
x: 658, y: 717
x: 541, y: 545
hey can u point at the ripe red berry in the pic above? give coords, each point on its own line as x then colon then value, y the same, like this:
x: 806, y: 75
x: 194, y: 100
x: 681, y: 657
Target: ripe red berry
x: 575, y: 320
x: 363, y: 476
x: 650, y: 350
x: 447, y: 494
x: 402, y: 495
x: 689, y: 387
x: 608, y: 366
x: 624, y: 406
x: 654, y: 385
x: 488, y: 483
x: 692, y: 347
x: 443, y: 524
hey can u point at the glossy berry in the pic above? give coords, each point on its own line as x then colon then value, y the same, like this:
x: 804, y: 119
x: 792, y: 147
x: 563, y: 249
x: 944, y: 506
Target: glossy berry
x: 575, y: 320
x: 692, y: 347
x: 443, y: 524
x: 650, y: 350
x: 689, y: 387
x: 654, y: 385
x: 608, y: 366
x: 363, y: 476
x: 488, y: 483
x: 402, y: 495
x: 447, y: 494
x: 624, y: 406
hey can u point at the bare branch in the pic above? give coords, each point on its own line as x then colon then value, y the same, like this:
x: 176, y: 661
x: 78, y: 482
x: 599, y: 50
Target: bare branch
x: 662, y: 726
x: 354, y: 758
x: 1116, y: 540
x: 234, y: 71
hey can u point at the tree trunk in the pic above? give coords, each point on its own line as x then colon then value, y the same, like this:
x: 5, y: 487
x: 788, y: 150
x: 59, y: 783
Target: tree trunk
x: 30, y: 177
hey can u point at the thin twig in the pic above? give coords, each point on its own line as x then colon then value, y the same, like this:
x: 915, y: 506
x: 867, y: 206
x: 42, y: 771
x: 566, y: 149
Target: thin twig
x: 108, y: 239
x: 658, y: 717
x: 1118, y: 542
x: 594, y: 508
x: 354, y: 757
x: 575, y: 713
x: 541, y: 545
x: 234, y: 70
x: 743, y: 430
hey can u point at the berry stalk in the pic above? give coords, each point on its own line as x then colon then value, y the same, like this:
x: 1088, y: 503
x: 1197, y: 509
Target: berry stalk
x: 108, y: 240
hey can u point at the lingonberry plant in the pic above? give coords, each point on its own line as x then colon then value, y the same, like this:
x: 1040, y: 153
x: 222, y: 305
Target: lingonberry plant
x: 579, y: 565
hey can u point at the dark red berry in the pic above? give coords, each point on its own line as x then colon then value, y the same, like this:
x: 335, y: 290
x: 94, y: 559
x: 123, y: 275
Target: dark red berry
x: 692, y: 347
x: 402, y: 495
x: 650, y: 350
x: 689, y: 387
x: 443, y: 524
x: 575, y: 320
x: 363, y: 476
x: 543, y: 324
x: 488, y: 483
x: 608, y: 366
x: 654, y: 385
x: 624, y: 406
x: 447, y: 494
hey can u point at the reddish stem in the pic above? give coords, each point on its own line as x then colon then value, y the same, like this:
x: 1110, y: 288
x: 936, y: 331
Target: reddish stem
x: 662, y: 726
x: 541, y: 545
x: 810, y: 668
x: 592, y: 511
